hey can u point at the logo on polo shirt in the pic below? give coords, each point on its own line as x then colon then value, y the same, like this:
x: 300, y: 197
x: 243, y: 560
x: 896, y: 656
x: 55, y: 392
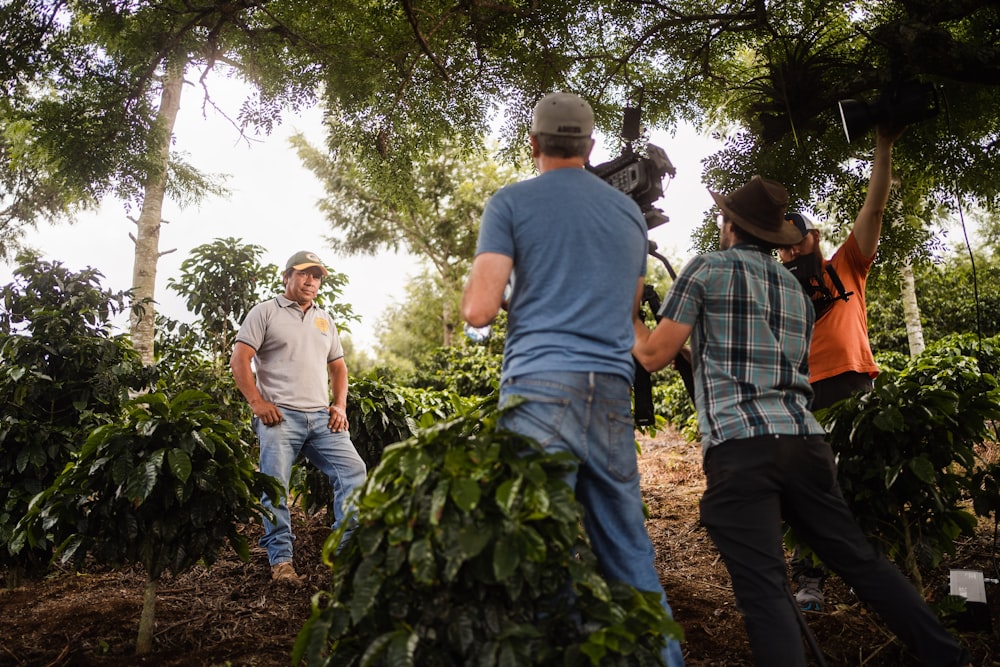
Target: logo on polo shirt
x: 322, y: 324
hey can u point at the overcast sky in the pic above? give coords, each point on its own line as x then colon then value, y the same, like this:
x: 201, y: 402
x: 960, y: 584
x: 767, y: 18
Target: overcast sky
x: 273, y: 204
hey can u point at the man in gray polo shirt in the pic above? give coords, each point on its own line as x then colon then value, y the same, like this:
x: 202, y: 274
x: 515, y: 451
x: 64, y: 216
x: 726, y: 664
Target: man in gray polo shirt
x: 299, y: 399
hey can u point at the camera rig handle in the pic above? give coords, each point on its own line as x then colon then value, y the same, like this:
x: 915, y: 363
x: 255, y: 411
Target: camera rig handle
x: 642, y: 384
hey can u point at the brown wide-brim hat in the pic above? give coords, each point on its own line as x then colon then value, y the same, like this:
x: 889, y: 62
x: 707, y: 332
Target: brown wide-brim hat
x: 758, y: 208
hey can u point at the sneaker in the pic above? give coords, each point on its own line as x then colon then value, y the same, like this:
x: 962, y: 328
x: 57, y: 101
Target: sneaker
x: 810, y: 594
x: 285, y: 573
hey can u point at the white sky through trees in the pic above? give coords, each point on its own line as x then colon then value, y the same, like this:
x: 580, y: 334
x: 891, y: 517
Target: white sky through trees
x: 273, y: 204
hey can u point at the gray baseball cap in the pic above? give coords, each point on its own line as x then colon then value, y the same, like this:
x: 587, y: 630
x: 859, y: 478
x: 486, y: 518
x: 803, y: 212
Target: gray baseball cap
x: 564, y: 115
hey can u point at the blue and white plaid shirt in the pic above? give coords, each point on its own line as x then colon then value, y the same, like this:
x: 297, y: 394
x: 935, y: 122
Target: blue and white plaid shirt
x: 750, y: 344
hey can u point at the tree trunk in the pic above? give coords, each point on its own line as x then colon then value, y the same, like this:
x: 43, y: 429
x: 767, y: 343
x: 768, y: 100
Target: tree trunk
x: 911, y: 311
x: 147, y: 619
x: 448, y: 329
x: 147, y: 237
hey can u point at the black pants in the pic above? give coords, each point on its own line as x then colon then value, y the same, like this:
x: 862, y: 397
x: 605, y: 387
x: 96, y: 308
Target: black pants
x: 829, y: 391
x: 754, y: 484
x: 826, y: 393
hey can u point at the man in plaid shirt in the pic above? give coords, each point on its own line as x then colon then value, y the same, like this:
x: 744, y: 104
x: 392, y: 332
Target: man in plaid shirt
x: 765, y: 457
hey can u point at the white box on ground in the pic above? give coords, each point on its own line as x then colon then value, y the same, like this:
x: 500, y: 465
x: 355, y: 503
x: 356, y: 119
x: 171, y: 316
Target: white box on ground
x: 969, y: 584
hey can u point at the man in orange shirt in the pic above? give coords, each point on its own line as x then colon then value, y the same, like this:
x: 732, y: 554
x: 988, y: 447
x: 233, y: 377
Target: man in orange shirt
x: 841, y: 363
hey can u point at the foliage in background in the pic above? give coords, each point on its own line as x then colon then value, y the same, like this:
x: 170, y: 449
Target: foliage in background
x: 411, y: 326
x: 436, y: 218
x: 220, y: 282
x: 63, y: 372
x: 469, y: 369
x: 379, y: 416
x: 430, y: 406
x: 470, y: 550
x: 948, y: 294
x: 182, y: 362
x: 166, y: 487
x: 906, y: 450
x: 381, y: 413
x: 358, y: 360
x: 672, y: 402
x: 466, y: 369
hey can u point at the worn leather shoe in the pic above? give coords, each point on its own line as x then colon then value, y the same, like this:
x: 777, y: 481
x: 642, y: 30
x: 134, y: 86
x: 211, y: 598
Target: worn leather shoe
x: 285, y: 573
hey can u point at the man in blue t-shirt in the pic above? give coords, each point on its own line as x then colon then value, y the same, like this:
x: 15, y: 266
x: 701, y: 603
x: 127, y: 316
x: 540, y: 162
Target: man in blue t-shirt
x: 572, y: 250
x: 765, y: 457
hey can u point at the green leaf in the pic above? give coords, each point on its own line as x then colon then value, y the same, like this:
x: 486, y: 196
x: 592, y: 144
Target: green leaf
x: 472, y: 539
x: 892, y: 474
x: 465, y: 493
x: 890, y: 419
x: 402, y: 649
x: 179, y: 463
x: 532, y: 543
x: 507, y: 494
x: 422, y: 561
x: 923, y: 469
x: 506, y: 558
x: 366, y: 583
x: 143, y: 479
x: 438, y: 499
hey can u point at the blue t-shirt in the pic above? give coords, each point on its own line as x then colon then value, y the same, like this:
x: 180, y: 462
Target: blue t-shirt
x: 750, y: 344
x: 579, y: 248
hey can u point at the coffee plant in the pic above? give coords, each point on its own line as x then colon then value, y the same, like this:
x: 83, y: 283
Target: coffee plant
x: 166, y: 487
x: 63, y: 372
x: 469, y: 550
x: 907, y: 450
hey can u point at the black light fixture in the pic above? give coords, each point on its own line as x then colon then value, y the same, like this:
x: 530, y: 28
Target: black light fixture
x: 900, y: 103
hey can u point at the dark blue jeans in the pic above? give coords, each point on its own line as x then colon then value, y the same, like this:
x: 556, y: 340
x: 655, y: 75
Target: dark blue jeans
x: 754, y: 484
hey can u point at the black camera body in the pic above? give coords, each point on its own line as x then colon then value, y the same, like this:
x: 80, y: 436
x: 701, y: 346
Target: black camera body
x: 901, y: 103
x: 640, y: 177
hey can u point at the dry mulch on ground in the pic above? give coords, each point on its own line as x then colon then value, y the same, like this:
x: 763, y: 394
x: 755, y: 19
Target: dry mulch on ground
x: 231, y: 614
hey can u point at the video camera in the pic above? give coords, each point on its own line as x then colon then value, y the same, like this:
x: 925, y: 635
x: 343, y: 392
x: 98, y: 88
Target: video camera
x: 638, y: 176
x: 641, y: 178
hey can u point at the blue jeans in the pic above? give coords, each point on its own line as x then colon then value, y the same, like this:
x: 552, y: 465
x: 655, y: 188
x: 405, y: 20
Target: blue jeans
x: 332, y: 453
x: 589, y: 415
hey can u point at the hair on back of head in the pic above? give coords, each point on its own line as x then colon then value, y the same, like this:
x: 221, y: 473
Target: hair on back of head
x: 563, y: 147
x: 746, y: 237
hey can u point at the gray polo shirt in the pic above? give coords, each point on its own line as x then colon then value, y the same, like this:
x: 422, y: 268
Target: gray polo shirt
x: 293, y: 349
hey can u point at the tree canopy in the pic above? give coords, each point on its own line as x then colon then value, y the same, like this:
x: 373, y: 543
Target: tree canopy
x: 437, y: 219
x: 398, y: 78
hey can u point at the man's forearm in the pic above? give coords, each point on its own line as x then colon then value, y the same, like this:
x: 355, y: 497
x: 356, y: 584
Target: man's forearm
x: 868, y: 225
x: 338, y: 384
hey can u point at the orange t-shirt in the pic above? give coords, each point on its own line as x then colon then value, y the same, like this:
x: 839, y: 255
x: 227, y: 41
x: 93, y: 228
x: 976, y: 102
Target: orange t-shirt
x: 840, y: 337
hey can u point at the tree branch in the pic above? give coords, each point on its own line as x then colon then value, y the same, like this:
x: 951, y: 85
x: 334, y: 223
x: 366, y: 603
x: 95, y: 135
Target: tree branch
x: 424, y: 46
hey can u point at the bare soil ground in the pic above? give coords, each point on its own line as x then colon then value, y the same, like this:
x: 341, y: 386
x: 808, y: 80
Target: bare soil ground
x: 231, y: 614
